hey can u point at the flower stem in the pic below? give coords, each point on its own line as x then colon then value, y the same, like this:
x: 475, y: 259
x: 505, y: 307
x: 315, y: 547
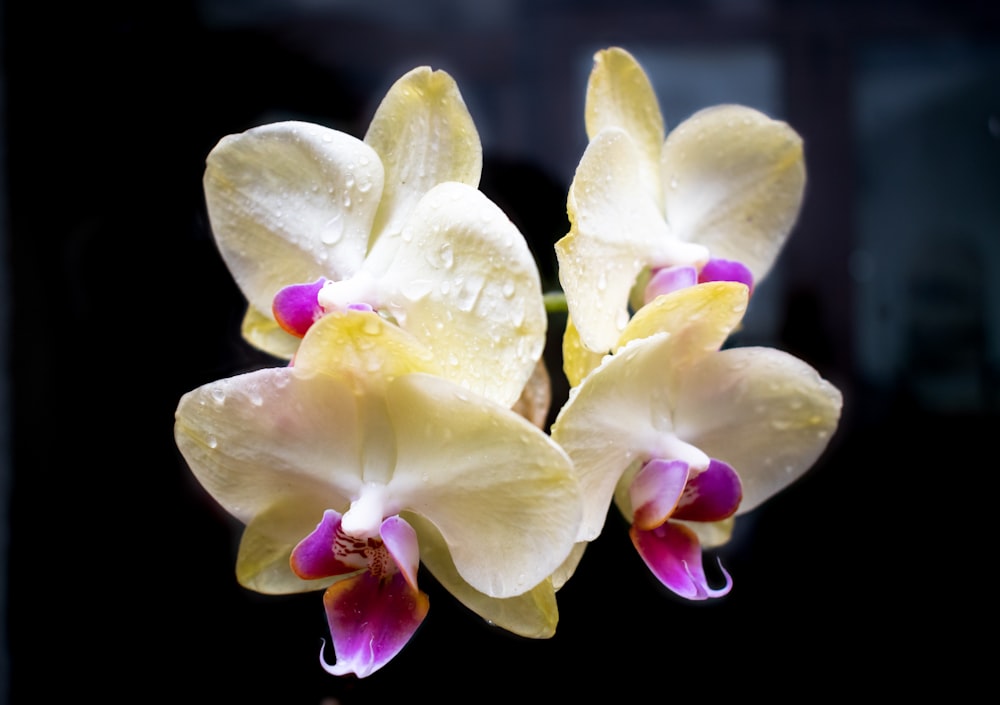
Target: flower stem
x: 555, y: 302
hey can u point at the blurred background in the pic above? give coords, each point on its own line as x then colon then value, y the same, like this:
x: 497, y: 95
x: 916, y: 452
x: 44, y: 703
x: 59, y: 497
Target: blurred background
x: 118, y: 576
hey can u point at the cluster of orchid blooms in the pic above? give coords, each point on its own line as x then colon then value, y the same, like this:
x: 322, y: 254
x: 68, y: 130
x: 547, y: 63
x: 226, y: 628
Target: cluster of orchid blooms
x: 409, y: 423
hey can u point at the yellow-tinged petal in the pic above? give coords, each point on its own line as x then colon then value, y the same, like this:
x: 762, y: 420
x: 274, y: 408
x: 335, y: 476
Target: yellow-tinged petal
x: 699, y: 319
x: 764, y: 412
x: 262, y: 563
x: 290, y: 202
x: 615, y: 232
x: 264, y: 333
x: 619, y: 94
x: 734, y: 181
x: 533, y: 614
x: 424, y: 134
x: 712, y: 534
x: 271, y: 436
x: 618, y: 415
x: 465, y: 284
x: 568, y: 568
x: 501, y: 493
x: 578, y: 361
x: 363, y: 349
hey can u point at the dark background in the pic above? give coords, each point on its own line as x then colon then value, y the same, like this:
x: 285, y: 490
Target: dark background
x: 865, y: 574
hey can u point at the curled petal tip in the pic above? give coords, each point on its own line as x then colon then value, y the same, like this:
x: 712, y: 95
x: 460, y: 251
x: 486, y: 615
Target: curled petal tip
x: 672, y: 552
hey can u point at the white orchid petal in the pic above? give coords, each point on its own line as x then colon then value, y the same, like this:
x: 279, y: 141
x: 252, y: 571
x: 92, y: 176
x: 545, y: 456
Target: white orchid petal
x: 264, y: 333
x: 268, y: 436
x: 500, y: 492
x: 734, y: 181
x: 620, y: 414
x: 764, y: 412
x: 465, y: 284
x: 532, y: 614
x: 363, y: 349
x: 262, y: 563
x: 424, y: 134
x: 290, y: 202
x: 620, y: 95
x: 615, y: 232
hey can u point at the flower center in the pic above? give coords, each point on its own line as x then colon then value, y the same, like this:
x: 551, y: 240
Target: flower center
x: 297, y: 306
x: 667, y: 279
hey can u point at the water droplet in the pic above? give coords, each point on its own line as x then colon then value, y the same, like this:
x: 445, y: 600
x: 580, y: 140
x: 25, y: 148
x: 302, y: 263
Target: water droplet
x: 447, y: 256
x: 508, y: 289
x: 212, y: 441
x: 218, y: 394
x: 416, y: 289
x: 468, y: 293
x: 371, y: 325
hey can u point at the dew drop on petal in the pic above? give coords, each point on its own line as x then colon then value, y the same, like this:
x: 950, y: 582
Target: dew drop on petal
x: 447, y: 256
x: 371, y: 326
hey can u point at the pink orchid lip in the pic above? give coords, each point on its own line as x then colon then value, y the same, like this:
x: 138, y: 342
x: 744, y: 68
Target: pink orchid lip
x: 673, y: 554
x: 726, y: 270
x: 296, y: 307
x: 375, y: 607
x: 665, y: 492
x: 371, y: 619
x: 667, y: 279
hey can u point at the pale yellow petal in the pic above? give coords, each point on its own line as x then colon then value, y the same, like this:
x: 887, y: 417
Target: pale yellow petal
x: 619, y: 414
x: 619, y: 94
x: 533, y: 614
x: 578, y: 361
x: 568, y: 568
x: 764, y: 412
x: 712, y: 534
x: 698, y: 318
x: 262, y: 563
x: 465, y: 284
x: 264, y: 333
x: 615, y: 232
x: 734, y: 182
x: 269, y: 436
x: 290, y: 202
x: 362, y: 349
x: 500, y: 492
x: 425, y: 136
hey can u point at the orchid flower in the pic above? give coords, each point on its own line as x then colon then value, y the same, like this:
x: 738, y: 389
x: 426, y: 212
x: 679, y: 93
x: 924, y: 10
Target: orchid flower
x: 311, y: 220
x: 713, y: 200
x: 360, y: 461
x: 683, y: 436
